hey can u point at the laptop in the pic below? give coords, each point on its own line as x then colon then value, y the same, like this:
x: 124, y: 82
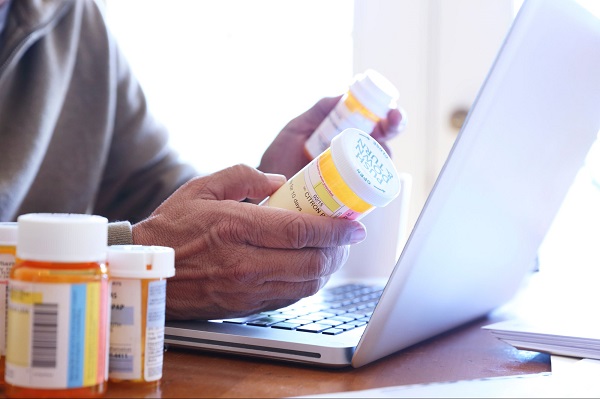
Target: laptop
x: 477, y: 236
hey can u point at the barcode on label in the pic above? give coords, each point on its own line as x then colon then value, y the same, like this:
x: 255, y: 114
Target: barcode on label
x: 121, y: 364
x: 45, y: 335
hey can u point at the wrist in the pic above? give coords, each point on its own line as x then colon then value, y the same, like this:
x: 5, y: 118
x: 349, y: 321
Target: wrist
x: 119, y: 233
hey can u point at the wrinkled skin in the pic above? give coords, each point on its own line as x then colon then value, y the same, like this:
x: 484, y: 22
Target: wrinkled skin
x: 234, y: 258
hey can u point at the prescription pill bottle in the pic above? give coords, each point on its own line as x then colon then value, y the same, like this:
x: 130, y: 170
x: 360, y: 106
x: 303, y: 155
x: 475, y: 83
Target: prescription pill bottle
x: 8, y: 248
x: 367, y: 100
x: 347, y: 180
x: 138, y: 276
x: 57, y: 334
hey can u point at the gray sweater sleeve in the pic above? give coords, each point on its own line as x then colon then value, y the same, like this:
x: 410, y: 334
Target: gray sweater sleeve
x: 119, y: 233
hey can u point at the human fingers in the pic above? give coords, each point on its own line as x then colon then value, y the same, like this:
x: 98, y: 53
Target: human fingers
x: 252, y: 266
x: 281, y: 228
x: 237, y: 183
x: 308, y: 121
x: 215, y: 299
x: 230, y: 302
x: 391, y: 126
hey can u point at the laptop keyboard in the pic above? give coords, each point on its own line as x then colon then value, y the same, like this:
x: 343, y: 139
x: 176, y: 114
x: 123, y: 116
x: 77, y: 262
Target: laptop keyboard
x: 332, y: 311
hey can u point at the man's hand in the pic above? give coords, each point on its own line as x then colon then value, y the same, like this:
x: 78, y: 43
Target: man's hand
x: 286, y: 154
x: 234, y: 258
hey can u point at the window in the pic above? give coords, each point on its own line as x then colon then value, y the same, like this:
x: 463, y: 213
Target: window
x: 242, y: 69
x: 233, y: 68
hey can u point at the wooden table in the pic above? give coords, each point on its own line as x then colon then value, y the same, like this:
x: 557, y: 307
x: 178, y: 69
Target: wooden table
x: 464, y: 353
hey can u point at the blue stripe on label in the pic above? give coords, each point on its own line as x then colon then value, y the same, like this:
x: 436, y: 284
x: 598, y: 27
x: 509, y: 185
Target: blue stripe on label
x: 121, y: 315
x: 77, y: 335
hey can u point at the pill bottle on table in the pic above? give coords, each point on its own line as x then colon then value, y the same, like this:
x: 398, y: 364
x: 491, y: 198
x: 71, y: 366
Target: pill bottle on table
x: 8, y: 248
x: 367, y: 100
x: 138, y: 276
x: 57, y: 334
x: 348, y: 180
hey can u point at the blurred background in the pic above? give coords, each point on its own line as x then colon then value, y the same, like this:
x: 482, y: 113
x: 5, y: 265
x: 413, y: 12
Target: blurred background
x: 226, y: 75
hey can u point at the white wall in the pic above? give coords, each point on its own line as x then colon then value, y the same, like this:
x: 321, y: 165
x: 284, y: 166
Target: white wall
x: 437, y: 52
x: 226, y: 75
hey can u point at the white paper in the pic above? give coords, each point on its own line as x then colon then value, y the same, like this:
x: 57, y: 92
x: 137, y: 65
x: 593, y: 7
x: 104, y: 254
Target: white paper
x: 576, y: 379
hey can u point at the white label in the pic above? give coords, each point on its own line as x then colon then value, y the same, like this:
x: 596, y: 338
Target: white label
x: 7, y: 261
x: 155, y: 330
x: 125, y: 357
x: 307, y: 191
x: 56, y: 335
x: 339, y: 119
x: 126, y: 341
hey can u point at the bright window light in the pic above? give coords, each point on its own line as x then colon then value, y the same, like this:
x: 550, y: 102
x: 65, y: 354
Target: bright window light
x: 226, y: 75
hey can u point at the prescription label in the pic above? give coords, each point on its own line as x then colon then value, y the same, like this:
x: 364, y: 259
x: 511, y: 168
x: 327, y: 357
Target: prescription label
x: 7, y: 261
x: 348, y: 113
x: 311, y: 190
x: 125, y: 353
x: 155, y: 329
x: 137, y: 330
x: 57, y: 334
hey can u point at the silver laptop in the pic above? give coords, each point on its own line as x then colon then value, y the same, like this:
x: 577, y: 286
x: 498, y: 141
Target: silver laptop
x: 524, y: 140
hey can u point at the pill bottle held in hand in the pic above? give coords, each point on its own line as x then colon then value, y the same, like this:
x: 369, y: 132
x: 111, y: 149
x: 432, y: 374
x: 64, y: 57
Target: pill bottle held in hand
x: 367, y: 100
x: 138, y: 276
x: 348, y: 180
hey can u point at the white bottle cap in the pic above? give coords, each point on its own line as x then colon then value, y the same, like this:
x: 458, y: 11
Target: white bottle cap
x: 62, y: 237
x: 365, y: 167
x: 141, y: 261
x: 375, y: 92
x: 8, y: 233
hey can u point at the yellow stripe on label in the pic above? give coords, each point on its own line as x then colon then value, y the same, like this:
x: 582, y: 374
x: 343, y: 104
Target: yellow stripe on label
x: 25, y: 297
x: 19, y: 336
x: 92, y: 328
x: 356, y: 106
x: 338, y: 186
x: 8, y: 249
x: 326, y: 197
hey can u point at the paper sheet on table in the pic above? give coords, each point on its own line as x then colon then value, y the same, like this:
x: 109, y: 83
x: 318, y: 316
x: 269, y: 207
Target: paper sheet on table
x: 573, y: 379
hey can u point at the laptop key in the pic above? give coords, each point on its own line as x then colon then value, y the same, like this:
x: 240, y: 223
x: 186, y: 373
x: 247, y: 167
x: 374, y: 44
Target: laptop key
x: 343, y: 318
x: 241, y: 320
x: 266, y: 321
x: 333, y: 331
x: 284, y: 325
x: 316, y: 316
x: 314, y: 328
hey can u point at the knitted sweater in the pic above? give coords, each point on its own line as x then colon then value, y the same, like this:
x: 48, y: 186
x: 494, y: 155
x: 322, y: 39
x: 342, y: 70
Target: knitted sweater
x: 75, y: 132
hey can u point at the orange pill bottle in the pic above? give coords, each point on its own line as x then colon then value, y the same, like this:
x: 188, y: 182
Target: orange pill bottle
x: 8, y: 249
x: 58, y: 318
x: 138, y: 275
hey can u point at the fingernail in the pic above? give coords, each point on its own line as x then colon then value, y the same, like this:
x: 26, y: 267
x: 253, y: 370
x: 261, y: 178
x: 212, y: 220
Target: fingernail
x: 358, y: 235
x: 276, y: 178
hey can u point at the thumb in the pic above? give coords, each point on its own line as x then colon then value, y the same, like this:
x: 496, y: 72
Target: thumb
x: 240, y: 182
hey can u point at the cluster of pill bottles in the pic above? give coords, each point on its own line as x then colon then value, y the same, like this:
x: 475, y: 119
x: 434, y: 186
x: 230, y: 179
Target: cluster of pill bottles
x: 61, y: 302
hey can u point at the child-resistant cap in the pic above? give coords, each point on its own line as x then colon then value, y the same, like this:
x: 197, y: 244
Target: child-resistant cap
x: 62, y: 237
x: 365, y: 167
x: 141, y: 261
x: 375, y: 92
x: 8, y: 233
